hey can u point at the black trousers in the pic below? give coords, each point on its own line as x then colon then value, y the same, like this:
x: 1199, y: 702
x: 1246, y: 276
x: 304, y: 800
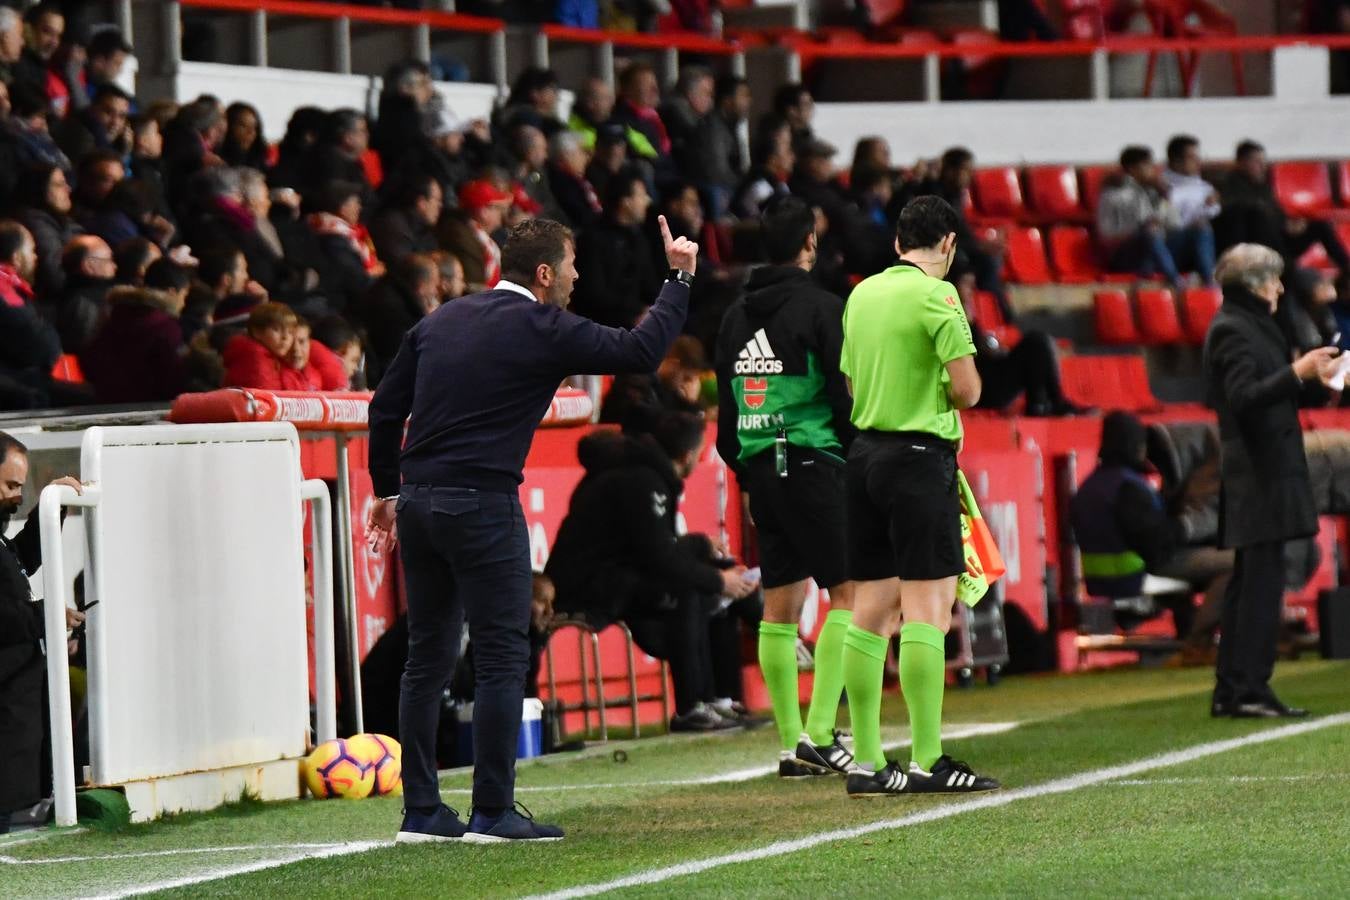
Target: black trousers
x: 679, y: 635
x: 1250, y: 624
x: 465, y: 553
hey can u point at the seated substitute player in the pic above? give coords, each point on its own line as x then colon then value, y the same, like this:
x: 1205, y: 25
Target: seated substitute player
x: 784, y: 427
x: 910, y: 361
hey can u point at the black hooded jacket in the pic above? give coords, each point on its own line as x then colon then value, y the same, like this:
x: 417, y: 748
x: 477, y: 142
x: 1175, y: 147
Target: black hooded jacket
x: 618, y: 543
x: 778, y: 355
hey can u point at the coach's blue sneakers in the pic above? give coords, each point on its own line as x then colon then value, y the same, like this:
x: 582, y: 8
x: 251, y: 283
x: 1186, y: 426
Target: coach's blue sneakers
x: 512, y: 825
x: 424, y: 828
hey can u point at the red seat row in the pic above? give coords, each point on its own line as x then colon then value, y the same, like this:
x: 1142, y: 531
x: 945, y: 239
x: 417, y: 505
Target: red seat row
x: 1070, y: 258
x: 1154, y: 318
x: 1065, y: 194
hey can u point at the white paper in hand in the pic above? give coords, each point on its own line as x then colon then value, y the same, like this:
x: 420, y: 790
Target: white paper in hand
x: 1337, y: 381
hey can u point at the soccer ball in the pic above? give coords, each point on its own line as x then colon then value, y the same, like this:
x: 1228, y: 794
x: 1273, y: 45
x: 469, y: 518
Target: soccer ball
x: 337, y: 769
x: 385, y: 757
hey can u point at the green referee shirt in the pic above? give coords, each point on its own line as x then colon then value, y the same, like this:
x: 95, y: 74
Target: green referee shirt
x: 901, y: 328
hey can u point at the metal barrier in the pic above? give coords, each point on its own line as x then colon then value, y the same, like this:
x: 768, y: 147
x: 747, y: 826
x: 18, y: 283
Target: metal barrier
x: 594, y: 681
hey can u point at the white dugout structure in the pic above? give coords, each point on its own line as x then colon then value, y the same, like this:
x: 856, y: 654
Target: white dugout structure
x: 196, y: 635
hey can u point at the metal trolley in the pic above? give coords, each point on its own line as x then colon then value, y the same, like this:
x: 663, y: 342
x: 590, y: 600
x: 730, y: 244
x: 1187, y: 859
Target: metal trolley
x: 978, y: 639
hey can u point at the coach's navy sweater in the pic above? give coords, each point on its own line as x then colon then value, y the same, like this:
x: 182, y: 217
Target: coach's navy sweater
x: 474, y: 378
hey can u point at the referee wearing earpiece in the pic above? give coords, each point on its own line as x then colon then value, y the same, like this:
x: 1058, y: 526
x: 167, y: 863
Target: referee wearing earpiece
x: 472, y: 381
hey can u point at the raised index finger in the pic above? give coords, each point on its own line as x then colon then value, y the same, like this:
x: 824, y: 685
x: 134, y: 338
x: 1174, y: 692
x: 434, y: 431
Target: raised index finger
x: 665, y: 230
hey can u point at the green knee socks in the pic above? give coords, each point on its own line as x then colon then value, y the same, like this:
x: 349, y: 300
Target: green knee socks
x: 778, y: 662
x: 923, y: 674
x: 864, y: 660
x: 829, y: 680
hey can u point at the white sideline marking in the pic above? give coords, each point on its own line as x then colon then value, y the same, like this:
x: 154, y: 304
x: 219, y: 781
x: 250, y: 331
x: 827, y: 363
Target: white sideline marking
x: 149, y: 854
x: 735, y: 775
x: 244, y: 869
x: 14, y: 840
x: 1233, y: 779
x: 986, y: 801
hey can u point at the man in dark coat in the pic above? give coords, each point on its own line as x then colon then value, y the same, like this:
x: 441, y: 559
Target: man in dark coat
x: 22, y: 664
x: 1266, y: 496
x: 395, y: 303
x: 621, y: 276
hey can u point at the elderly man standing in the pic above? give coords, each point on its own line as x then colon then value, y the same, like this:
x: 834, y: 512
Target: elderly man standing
x: 1266, y: 497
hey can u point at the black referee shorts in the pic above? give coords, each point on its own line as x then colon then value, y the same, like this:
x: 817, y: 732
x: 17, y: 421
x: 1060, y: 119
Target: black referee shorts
x: 800, y: 519
x: 904, y: 511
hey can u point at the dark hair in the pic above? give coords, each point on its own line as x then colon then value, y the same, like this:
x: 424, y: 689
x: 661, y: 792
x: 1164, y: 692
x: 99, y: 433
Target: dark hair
x: 620, y: 187
x: 107, y: 42
x: 785, y: 226
x: 334, y: 194
x: 727, y: 85
x: 131, y: 256
x: 531, y: 79
x: 7, y: 443
x: 45, y: 8
x: 31, y: 191
x: 340, y: 122
x: 403, y: 191
x: 27, y: 99
x: 678, y: 432
x: 766, y: 142
x: 924, y: 222
x: 1133, y: 155
x: 334, y: 332
x: 690, y: 76
x: 217, y: 261
x: 199, y: 115
x: 302, y: 128
x: 788, y: 96
x: 868, y: 177
x: 1247, y: 148
x: 955, y: 158
x: 1177, y: 147
x: 11, y: 239
x: 108, y: 89
x: 414, y: 269
x: 253, y: 156
x: 166, y: 275
x: 533, y: 243
x: 631, y: 72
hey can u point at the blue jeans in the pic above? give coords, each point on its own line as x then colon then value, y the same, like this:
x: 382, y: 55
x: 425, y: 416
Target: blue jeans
x: 465, y: 553
x: 1153, y: 252
x: 1192, y: 250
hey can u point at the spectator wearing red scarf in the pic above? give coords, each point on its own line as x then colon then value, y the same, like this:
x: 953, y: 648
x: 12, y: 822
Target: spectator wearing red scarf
x: 349, y: 261
x: 467, y: 232
x: 28, y: 344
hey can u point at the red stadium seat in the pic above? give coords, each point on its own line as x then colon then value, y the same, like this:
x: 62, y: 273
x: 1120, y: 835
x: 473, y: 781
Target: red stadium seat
x: 1026, y: 255
x: 1343, y: 181
x: 1303, y: 188
x: 1316, y: 258
x: 1199, y: 304
x: 884, y: 13
x: 1158, y: 320
x: 998, y: 193
x: 989, y: 316
x: 1073, y: 255
x: 1113, y: 319
x: 1091, y: 179
x: 1117, y: 381
x: 1052, y: 192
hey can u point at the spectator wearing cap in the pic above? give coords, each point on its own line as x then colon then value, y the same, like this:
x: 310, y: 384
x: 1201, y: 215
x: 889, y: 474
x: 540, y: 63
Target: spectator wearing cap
x: 684, y: 111
x: 723, y: 155
x: 467, y: 233
x: 576, y: 197
x: 244, y: 144
x: 398, y: 301
x: 105, y: 58
x: 82, y: 307
x: 44, y: 202
x: 406, y: 220
x: 349, y: 261
x: 138, y: 354
x: 621, y: 275
x: 102, y: 125
x: 610, y: 156
x: 44, y: 26
x: 592, y: 108
x: 29, y: 346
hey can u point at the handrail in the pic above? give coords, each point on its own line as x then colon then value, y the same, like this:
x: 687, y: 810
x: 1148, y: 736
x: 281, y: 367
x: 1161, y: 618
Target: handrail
x: 313, y: 9
x: 1116, y: 45
x: 690, y: 43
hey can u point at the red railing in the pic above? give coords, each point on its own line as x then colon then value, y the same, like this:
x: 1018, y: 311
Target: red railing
x: 308, y: 9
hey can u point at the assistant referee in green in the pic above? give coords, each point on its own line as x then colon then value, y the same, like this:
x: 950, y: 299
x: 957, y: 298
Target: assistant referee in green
x: 910, y: 361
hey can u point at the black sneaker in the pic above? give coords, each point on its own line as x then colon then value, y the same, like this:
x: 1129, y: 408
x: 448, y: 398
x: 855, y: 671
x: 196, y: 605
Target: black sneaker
x: 420, y: 828
x: 831, y: 759
x: 789, y: 767
x: 948, y: 776
x: 515, y: 824
x: 702, y: 718
x: 888, y: 782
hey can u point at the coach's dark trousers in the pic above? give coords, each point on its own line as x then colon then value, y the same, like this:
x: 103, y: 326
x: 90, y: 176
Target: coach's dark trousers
x: 465, y: 553
x: 1250, y: 625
